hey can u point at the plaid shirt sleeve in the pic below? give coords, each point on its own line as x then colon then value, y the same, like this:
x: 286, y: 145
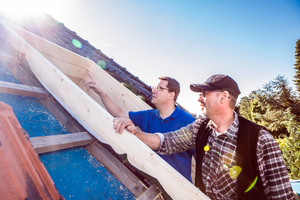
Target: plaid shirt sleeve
x: 272, y: 168
x: 179, y: 140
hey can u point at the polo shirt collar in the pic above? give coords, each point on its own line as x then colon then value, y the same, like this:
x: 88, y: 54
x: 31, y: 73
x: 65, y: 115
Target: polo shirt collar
x: 172, y: 116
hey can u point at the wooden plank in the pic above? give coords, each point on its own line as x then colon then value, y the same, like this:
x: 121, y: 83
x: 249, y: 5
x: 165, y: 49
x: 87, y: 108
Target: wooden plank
x: 122, y: 173
x: 44, y: 144
x: 6, y: 58
x: 26, y: 78
x: 99, y: 122
x: 63, y: 59
x: 69, y: 69
x: 136, y: 189
x: 51, y: 104
x: 25, y: 90
x: 152, y: 193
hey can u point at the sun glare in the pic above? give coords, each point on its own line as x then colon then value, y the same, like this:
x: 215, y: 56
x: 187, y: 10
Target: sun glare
x: 19, y: 9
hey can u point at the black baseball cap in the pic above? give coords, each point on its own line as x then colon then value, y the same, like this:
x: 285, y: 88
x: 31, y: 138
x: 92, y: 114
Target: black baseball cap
x: 218, y: 82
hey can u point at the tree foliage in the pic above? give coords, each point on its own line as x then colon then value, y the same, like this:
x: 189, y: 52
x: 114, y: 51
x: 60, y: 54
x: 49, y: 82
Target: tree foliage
x: 297, y: 65
x: 277, y: 108
x: 290, y: 148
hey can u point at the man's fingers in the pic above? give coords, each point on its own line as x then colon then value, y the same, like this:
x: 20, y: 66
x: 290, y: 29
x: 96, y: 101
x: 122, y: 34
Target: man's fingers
x: 88, y: 85
x: 117, y: 124
x: 90, y: 75
x: 131, y: 128
x: 120, y: 124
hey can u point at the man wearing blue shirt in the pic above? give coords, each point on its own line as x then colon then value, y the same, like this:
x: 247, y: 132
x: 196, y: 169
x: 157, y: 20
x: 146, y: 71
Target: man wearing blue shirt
x: 167, y: 117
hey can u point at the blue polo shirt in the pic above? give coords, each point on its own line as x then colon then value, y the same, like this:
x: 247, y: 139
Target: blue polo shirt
x: 149, y: 121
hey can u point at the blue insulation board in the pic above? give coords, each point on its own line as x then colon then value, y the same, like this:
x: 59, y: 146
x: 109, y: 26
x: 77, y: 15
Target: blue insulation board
x: 75, y: 172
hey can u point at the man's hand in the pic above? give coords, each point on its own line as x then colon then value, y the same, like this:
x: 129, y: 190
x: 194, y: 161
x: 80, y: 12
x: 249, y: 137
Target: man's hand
x: 151, y: 140
x: 121, y: 123
x: 93, y: 84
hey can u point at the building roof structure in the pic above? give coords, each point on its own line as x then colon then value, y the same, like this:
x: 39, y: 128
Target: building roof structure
x: 74, y: 161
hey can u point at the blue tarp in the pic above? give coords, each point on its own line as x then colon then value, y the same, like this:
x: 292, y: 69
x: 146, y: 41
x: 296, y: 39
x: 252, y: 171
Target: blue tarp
x: 75, y: 172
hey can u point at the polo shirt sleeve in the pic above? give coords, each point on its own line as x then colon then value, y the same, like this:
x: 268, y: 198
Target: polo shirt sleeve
x: 139, y: 117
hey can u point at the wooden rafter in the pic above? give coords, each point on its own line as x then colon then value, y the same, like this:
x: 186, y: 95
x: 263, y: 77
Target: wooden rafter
x: 99, y: 122
x: 25, y: 90
x: 126, y: 177
x: 45, y: 144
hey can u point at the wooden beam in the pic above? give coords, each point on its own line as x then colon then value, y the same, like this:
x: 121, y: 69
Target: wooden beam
x: 45, y: 144
x: 99, y: 122
x: 75, y: 66
x: 152, y: 193
x: 25, y: 90
x: 118, y: 169
x: 6, y: 58
x: 114, y: 165
x: 50, y: 103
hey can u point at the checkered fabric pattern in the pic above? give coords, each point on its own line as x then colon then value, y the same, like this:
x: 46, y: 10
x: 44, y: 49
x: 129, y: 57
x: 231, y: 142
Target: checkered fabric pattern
x: 219, y: 163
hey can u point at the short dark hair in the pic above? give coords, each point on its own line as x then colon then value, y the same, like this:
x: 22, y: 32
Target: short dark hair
x: 173, y: 85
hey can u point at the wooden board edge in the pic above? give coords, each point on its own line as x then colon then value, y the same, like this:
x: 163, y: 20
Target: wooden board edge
x: 94, y: 117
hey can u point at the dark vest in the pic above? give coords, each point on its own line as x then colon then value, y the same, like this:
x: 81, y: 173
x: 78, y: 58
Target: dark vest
x: 245, y: 158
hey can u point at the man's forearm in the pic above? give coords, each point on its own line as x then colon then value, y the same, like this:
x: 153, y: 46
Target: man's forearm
x: 151, y: 140
x: 113, y: 108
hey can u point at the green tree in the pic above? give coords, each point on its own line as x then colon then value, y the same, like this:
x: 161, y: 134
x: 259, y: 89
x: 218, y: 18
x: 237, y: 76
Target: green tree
x: 273, y: 106
x: 290, y: 148
x: 277, y: 108
x: 250, y: 107
x: 297, y: 65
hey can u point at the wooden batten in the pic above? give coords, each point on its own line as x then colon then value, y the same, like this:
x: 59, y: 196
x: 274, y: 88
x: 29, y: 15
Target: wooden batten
x: 97, y: 120
x: 118, y: 169
x: 45, y: 144
x: 25, y: 90
x: 151, y: 193
x: 75, y: 67
x: 6, y: 58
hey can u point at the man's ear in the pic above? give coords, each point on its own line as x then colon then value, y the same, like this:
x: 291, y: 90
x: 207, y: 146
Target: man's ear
x: 225, y: 96
x: 171, y: 95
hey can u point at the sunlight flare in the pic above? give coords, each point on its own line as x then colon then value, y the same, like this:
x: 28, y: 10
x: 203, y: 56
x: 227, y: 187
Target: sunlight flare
x: 18, y: 9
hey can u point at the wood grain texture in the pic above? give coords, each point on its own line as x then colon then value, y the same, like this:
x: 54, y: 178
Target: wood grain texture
x: 25, y: 90
x: 45, y: 144
x: 99, y: 122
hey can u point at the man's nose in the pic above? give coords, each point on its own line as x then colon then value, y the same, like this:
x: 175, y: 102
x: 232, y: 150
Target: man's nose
x: 200, y: 98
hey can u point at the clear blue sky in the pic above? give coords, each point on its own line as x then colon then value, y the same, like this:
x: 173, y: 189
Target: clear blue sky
x: 253, y: 41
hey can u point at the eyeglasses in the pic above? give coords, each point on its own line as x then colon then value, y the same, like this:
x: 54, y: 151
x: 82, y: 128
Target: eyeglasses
x: 203, y: 93
x: 158, y: 88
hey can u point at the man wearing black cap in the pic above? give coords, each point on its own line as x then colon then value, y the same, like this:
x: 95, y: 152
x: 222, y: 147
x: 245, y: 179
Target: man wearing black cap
x: 235, y: 158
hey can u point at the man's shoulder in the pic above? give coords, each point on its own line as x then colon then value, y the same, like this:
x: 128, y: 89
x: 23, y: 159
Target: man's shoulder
x: 141, y: 113
x: 185, y: 113
x: 202, y: 121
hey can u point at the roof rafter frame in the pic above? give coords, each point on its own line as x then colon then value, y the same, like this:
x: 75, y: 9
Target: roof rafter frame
x: 98, y: 122
x: 45, y: 144
x: 25, y: 90
x: 72, y: 125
